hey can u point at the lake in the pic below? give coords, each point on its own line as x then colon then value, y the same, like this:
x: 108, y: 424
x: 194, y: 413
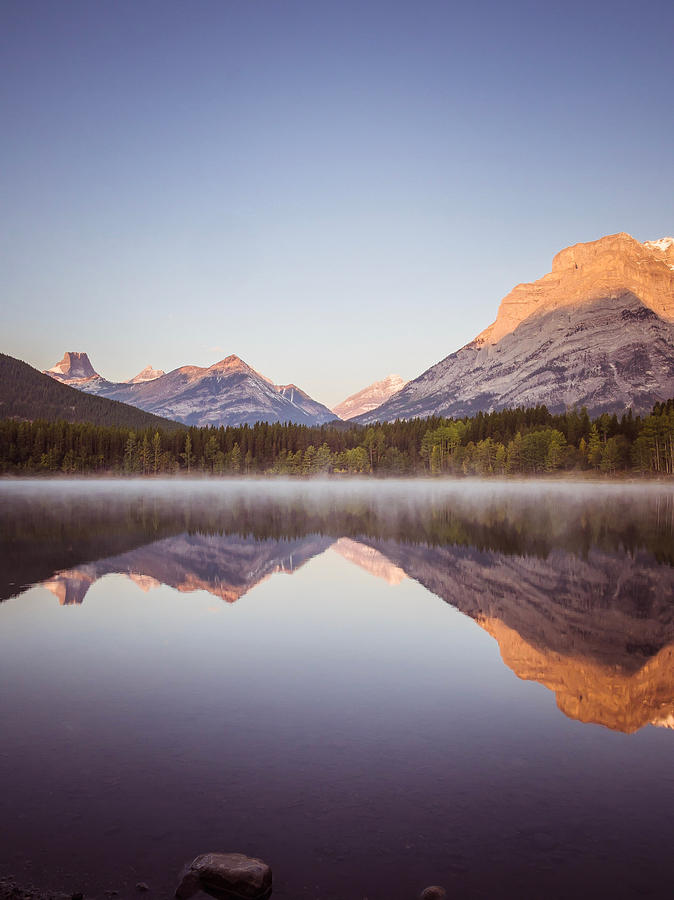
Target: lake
x: 372, y: 685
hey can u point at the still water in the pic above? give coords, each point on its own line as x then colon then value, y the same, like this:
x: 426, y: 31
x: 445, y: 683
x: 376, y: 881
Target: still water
x: 372, y: 686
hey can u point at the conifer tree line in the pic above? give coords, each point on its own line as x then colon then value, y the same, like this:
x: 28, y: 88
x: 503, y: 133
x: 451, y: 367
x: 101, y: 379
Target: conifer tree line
x: 514, y: 441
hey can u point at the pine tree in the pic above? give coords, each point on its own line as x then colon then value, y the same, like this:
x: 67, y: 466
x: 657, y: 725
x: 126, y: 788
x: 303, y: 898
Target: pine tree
x: 594, y: 448
x: 187, y: 455
x: 235, y: 459
x: 156, y: 452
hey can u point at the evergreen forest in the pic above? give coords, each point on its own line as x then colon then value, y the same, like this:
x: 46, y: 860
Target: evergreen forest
x: 511, y: 442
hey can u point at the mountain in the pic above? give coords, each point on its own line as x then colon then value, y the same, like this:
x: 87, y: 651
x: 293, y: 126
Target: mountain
x: 147, y: 374
x: 76, y: 371
x: 369, y: 397
x: 598, y: 331
x: 73, y: 367
x: 26, y: 393
x: 229, y: 392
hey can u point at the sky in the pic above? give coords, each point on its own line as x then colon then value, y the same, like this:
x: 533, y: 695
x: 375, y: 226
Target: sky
x: 333, y: 191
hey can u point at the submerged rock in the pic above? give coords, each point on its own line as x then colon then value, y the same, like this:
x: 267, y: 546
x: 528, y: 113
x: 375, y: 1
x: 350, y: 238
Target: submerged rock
x: 226, y: 875
x: 434, y: 892
x: 10, y: 890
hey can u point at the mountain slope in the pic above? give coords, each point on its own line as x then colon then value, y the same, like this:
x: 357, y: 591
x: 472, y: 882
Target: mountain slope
x: 596, y: 331
x: 26, y: 393
x: 318, y: 413
x: 369, y: 397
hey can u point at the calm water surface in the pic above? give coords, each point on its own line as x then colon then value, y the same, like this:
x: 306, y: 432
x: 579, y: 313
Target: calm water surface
x: 372, y: 686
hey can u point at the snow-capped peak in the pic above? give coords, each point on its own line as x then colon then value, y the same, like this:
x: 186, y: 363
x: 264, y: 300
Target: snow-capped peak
x: 147, y: 374
x: 662, y: 244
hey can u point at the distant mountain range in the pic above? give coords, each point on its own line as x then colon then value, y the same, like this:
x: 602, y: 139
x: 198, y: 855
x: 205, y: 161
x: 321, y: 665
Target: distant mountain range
x: 596, y: 331
x: 229, y: 392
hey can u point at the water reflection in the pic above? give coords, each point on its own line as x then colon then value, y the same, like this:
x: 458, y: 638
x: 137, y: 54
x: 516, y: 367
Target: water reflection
x: 576, y: 586
x: 227, y: 566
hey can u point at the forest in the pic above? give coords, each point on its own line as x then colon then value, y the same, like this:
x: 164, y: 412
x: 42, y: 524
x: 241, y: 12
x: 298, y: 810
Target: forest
x: 511, y: 442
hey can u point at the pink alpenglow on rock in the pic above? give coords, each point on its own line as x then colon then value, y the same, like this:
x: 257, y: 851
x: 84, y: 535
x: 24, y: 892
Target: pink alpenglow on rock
x: 73, y: 366
x: 226, y: 875
x: 369, y: 397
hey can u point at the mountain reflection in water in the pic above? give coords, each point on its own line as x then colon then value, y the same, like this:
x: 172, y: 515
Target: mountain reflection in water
x: 577, y: 588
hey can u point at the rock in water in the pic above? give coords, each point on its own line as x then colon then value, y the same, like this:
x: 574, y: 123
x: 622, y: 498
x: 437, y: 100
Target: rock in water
x: 226, y: 875
x: 434, y: 892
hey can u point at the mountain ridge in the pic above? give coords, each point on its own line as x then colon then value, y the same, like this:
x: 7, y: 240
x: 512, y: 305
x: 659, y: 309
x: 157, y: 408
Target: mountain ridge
x: 597, y: 330
x: 228, y: 392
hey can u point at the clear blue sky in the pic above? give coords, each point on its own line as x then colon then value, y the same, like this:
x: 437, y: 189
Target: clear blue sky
x: 331, y: 190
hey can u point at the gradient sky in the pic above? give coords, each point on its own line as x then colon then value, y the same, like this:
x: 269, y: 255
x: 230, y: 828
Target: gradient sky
x: 331, y: 190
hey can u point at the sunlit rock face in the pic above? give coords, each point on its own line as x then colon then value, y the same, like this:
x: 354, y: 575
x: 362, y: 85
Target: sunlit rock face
x: 604, y: 269
x: 369, y: 397
x: 597, y: 331
x: 73, y: 366
x: 75, y: 370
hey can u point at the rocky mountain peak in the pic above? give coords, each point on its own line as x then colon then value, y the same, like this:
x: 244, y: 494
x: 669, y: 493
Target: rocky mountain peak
x: 663, y: 248
x: 609, y: 267
x: 73, y: 365
x: 231, y: 364
x: 147, y: 374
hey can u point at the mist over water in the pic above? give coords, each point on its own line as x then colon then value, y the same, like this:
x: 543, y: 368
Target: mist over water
x: 372, y: 685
